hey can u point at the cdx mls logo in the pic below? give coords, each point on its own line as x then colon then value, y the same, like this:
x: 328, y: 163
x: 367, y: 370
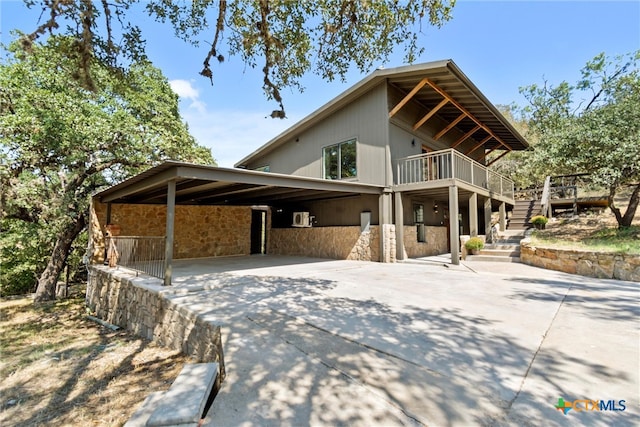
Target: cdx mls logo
x: 584, y: 405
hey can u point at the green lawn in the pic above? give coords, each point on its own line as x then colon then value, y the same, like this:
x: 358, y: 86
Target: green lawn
x: 604, y: 240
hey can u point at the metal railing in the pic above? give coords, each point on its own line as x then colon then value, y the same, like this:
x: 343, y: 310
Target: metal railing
x: 140, y: 253
x: 448, y: 164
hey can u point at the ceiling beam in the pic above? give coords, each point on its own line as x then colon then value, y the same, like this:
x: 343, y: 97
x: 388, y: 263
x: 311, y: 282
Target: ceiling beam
x: 207, y: 194
x: 430, y: 114
x: 450, y: 126
x: 465, y: 136
x: 464, y: 110
x: 408, y: 97
x: 499, y: 157
x: 478, y: 145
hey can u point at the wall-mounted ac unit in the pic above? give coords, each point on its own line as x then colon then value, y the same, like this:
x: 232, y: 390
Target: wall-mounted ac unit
x: 301, y: 219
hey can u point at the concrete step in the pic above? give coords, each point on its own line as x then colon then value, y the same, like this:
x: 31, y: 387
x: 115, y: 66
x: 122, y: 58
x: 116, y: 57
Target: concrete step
x: 500, y: 252
x: 492, y: 258
x: 509, y: 241
x: 503, y: 246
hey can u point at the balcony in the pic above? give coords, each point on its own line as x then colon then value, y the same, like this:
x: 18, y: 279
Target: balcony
x: 449, y: 165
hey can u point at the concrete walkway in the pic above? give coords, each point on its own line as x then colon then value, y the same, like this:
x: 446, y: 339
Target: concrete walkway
x: 317, y: 342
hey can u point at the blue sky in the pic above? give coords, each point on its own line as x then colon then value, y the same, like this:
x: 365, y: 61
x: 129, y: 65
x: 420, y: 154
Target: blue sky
x: 499, y: 45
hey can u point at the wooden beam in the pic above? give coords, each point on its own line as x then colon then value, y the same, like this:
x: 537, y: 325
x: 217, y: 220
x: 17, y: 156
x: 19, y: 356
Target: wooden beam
x: 499, y: 157
x: 450, y: 126
x: 478, y: 145
x: 407, y: 98
x: 464, y: 110
x: 465, y: 136
x: 486, y: 153
x: 430, y: 113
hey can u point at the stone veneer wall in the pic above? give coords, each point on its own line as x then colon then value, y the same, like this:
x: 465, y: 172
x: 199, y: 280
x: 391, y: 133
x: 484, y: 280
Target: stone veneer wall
x: 330, y: 242
x: 436, y: 244
x: 200, y: 231
x: 602, y: 265
x: 142, y: 305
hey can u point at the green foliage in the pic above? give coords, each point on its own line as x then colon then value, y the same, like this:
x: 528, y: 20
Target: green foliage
x: 539, y: 220
x: 286, y: 39
x: 474, y: 243
x: 61, y: 141
x: 617, y: 240
x: 591, y: 126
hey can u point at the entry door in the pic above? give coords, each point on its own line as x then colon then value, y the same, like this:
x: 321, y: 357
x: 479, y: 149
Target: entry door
x: 258, y: 232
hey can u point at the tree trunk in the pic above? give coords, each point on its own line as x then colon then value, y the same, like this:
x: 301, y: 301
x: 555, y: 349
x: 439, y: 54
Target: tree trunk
x: 634, y: 200
x: 46, y: 290
x: 626, y: 219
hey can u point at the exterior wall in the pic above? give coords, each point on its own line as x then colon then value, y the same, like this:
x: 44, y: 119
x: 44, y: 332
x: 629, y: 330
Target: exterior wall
x: 200, y: 231
x: 436, y: 243
x: 327, y: 242
x: 602, y: 265
x: 343, y: 212
x: 365, y: 119
x: 144, y: 307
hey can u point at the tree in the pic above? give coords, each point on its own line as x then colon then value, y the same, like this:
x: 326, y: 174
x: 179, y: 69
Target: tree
x: 592, y: 126
x: 285, y: 38
x: 61, y: 141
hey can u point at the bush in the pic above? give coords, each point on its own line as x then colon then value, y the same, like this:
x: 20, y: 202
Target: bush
x: 474, y: 243
x: 539, y: 220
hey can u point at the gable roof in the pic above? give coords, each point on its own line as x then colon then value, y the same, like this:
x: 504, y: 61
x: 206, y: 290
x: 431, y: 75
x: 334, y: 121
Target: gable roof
x: 446, y: 76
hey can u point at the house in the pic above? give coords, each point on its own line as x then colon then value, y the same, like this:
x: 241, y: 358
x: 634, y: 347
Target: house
x: 394, y: 167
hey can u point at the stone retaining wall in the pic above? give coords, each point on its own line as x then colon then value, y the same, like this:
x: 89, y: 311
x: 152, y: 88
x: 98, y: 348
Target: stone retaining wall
x: 602, y: 265
x: 143, y: 306
x: 436, y: 241
x: 330, y: 242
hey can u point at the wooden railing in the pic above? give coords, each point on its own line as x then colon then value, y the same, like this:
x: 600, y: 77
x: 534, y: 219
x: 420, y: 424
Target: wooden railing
x: 140, y: 253
x: 450, y: 164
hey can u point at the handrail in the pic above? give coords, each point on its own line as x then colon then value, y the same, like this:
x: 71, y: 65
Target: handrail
x: 448, y: 164
x: 141, y: 253
x: 545, y: 199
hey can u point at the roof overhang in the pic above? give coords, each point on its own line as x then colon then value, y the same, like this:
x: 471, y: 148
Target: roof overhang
x: 428, y: 84
x: 210, y: 185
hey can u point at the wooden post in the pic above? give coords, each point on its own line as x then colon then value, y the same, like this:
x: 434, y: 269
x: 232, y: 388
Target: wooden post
x: 399, y: 226
x: 169, y: 230
x: 454, y: 236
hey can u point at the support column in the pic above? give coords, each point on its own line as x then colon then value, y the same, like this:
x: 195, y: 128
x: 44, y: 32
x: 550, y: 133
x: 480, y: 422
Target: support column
x: 487, y: 217
x: 169, y: 231
x: 454, y: 235
x: 384, y: 219
x: 399, y: 226
x: 473, y: 214
x: 503, y: 216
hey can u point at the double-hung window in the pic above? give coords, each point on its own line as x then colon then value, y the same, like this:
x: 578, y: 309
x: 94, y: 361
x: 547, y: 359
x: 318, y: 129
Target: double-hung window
x: 339, y: 160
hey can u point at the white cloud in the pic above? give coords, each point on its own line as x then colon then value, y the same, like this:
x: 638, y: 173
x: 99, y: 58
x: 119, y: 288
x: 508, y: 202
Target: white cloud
x: 185, y: 89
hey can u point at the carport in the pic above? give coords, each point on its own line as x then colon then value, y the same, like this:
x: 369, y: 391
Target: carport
x: 175, y: 183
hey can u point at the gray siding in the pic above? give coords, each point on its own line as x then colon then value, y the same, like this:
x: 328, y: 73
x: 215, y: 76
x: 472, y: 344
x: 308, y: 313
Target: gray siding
x: 365, y: 119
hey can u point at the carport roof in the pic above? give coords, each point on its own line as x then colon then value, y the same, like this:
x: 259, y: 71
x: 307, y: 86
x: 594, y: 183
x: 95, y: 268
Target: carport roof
x: 210, y: 185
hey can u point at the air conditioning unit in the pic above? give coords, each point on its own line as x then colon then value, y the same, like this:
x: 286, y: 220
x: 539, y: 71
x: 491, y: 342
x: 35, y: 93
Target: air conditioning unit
x: 301, y: 219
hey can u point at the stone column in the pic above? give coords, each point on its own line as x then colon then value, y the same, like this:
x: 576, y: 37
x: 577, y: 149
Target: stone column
x: 399, y: 226
x: 473, y: 214
x: 454, y: 234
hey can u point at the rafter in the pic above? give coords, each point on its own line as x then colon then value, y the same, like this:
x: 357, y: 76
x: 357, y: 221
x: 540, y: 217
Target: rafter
x: 430, y: 114
x: 499, y: 157
x: 478, y: 145
x: 450, y: 126
x: 464, y: 137
x: 407, y: 98
x: 464, y: 110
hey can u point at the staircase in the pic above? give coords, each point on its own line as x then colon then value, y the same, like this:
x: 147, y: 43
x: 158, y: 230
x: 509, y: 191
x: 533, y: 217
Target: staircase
x: 523, y: 211
x: 505, y: 249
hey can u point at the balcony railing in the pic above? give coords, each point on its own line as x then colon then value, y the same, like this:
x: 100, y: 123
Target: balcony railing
x: 450, y: 164
x: 140, y: 253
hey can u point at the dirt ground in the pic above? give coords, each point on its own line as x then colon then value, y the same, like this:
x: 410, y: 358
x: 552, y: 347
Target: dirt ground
x: 57, y: 368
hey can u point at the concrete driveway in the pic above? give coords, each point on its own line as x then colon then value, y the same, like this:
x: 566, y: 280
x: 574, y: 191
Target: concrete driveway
x: 317, y: 342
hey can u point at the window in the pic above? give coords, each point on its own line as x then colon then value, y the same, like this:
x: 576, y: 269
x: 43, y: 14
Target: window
x: 265, y: 168
x: 340, y: 160
x: 418, y: 220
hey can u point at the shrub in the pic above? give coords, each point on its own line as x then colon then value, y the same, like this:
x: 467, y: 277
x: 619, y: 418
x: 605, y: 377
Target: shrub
x: 474, y: 243
x: 539, y: 220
